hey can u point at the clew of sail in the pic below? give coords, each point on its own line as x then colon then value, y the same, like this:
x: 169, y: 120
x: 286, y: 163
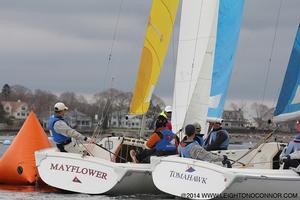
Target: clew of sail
x: 195, y: 48
x: 158, y: 34
x: 229, y: 22
x: 288, y: 105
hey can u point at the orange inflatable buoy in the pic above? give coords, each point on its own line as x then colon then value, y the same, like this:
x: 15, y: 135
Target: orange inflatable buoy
x: 17, y: 165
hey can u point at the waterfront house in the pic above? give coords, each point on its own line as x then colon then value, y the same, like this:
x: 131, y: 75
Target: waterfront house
x: 17, y: 109
x: 78, y: 119
x: 120, y: 119
x: 235, y: 119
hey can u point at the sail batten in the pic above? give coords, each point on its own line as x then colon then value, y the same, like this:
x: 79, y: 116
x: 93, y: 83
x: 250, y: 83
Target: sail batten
x: 158, y: 34
x: 288, y: 105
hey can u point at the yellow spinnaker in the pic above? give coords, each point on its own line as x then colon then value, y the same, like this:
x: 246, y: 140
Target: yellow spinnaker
x: 159, y: 30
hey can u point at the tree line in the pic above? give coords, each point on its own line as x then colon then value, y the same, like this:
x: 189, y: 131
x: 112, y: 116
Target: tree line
x: 107, y: 102
x: 103, y: 105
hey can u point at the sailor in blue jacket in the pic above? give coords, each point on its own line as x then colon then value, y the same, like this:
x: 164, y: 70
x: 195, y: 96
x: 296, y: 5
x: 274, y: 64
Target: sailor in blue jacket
x: 290, y: 155
x: 217, y: 139
x: 190, y: 148
x: 61, y: 132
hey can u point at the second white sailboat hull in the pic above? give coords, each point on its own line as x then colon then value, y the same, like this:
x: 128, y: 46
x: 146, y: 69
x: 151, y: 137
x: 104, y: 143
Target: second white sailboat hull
x: 196, y: 179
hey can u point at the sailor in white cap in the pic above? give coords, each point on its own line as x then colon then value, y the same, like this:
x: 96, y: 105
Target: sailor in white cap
x: 167, y: 113
x: 60, y: 130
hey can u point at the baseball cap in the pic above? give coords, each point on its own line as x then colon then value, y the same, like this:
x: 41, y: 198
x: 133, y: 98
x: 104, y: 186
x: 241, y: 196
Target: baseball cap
x: 59, y: 106
x: 168, y: 109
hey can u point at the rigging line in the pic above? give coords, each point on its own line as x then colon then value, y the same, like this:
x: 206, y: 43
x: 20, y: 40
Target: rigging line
x: 99, y: 127
x: 110, y: 54
x: 111, y: 47
x: 86, y: 149
x: 193, y: 62
x: 107, y: 108
x: 272, y: 50
x: 113, y: 42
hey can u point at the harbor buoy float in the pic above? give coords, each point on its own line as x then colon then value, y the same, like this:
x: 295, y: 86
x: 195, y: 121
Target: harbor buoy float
x: 17, y: 165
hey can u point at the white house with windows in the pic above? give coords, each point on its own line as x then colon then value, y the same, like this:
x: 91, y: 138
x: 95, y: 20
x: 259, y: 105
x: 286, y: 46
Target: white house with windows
x: 235, y: 119
x: 78, y: 119
x: 16, y: 109
x: 121, y: 120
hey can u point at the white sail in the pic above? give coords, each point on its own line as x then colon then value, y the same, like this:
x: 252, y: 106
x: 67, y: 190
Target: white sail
x: 194, y: 60
x: 197, y: 109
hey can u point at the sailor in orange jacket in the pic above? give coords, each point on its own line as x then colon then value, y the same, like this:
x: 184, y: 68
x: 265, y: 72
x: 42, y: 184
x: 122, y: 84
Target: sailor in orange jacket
x: 161, y: 142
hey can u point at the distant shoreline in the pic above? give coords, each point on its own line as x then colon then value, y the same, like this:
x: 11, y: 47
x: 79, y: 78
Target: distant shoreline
x: 235, y: 137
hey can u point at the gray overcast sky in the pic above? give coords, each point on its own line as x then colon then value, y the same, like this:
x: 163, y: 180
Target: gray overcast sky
x: 63, y: 45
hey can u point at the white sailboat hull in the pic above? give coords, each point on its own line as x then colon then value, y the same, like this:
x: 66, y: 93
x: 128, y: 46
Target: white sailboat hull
x: 282, y: 185
x: 93, y: 175
x: 180, y: 177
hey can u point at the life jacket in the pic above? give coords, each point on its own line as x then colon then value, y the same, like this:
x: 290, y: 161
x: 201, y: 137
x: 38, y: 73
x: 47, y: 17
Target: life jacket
x: 293, y: 145
x: 57, y: 137
x: 199, y: 139
x: 184, y: 148
x: 163, y: 114
x: 169, y: 125
x: 167, y: 142
x: 213, y: 137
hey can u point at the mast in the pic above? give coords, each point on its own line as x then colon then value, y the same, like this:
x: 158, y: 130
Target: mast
x: 142, y: 129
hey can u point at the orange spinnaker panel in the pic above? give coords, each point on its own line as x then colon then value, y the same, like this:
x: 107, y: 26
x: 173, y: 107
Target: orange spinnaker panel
x: 17, y: 165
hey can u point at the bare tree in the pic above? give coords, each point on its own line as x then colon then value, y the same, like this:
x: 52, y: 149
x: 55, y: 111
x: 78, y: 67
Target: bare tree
x: 43, y: 102
x: 237, y: 107
x: 262, y: 114
x: 69, y: 98
x: 106, y: 103
x: 19, y: 92
x: 155, y: 108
